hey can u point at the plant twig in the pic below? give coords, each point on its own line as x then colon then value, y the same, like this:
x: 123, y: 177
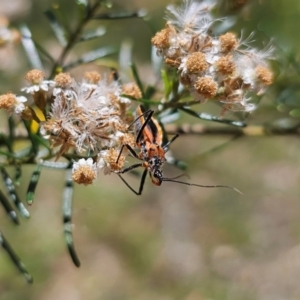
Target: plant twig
x: 74, y: 36
x: 251, y: 130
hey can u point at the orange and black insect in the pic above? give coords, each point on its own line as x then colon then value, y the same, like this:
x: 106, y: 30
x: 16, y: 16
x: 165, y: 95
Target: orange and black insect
x: 149, y: 139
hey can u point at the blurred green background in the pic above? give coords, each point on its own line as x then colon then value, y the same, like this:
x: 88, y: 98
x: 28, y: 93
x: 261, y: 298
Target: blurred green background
x: 174, y: 241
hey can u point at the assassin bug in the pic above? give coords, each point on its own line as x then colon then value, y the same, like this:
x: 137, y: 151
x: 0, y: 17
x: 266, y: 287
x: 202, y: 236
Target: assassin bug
x: 149, y: 136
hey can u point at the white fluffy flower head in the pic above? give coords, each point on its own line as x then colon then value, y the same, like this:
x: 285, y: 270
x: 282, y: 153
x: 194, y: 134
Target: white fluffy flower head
x: 84, y: 171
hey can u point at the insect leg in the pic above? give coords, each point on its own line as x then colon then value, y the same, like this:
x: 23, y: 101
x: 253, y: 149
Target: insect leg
x: 130, y: 168
x: 141, y: 183
x: 122, y: 148
x: 132, y: 152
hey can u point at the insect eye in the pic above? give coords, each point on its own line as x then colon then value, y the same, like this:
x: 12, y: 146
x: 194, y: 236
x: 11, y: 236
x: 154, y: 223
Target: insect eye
x: 157, y: 177
x: 157, y: 174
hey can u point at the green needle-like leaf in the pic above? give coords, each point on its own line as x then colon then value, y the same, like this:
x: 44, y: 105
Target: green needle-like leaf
x: 91, y: 56
x: 137, y: 79
x: 83, y: 3
x: 91, y: 35
x: 8, y: 208
x: 126, y: 15
x: 67, y: 218
x: 167, y: 83
x: 15, y: 258
x: 18, y: 174
x: 33, y: 184
x: 13, y: 194
x: 30, y: 49
x: 207, y: 117
x: 44, y: 52
x: 57, y: 28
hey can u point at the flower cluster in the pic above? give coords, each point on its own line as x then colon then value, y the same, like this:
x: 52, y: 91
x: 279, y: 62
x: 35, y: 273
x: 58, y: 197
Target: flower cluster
x: 89, y: 117
x: 223, y: 68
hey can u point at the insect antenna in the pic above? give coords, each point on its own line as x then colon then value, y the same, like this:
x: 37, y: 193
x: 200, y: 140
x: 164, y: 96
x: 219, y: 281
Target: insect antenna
x: 176, y: 177
x: 203, y: 186
x: 148, y: 112
x: 166, y: 146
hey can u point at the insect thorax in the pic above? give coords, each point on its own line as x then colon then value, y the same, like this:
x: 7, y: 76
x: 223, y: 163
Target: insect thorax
x: 153, y: 154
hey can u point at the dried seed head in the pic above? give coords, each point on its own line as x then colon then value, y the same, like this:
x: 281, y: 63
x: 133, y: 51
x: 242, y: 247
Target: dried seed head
x: 7, y: 101
x: 36, y: 79
x: 35, y: 76
x: 131, y: 89
x: 228, y: 42
x: 206, y: 87
x: 113, y: 98
x: 112, y: 157
x: 108, y: 160
x: 196, y: 62
x: 127, y: 139
x: 225, y: 65
x: 63, y: 80
x: 161, y: 38
x: 92, y: 77
x: 235, y: 84
x: 211, y: 66
x: 12, y: 103
x: 84, y: 171
x: 264, y: 75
